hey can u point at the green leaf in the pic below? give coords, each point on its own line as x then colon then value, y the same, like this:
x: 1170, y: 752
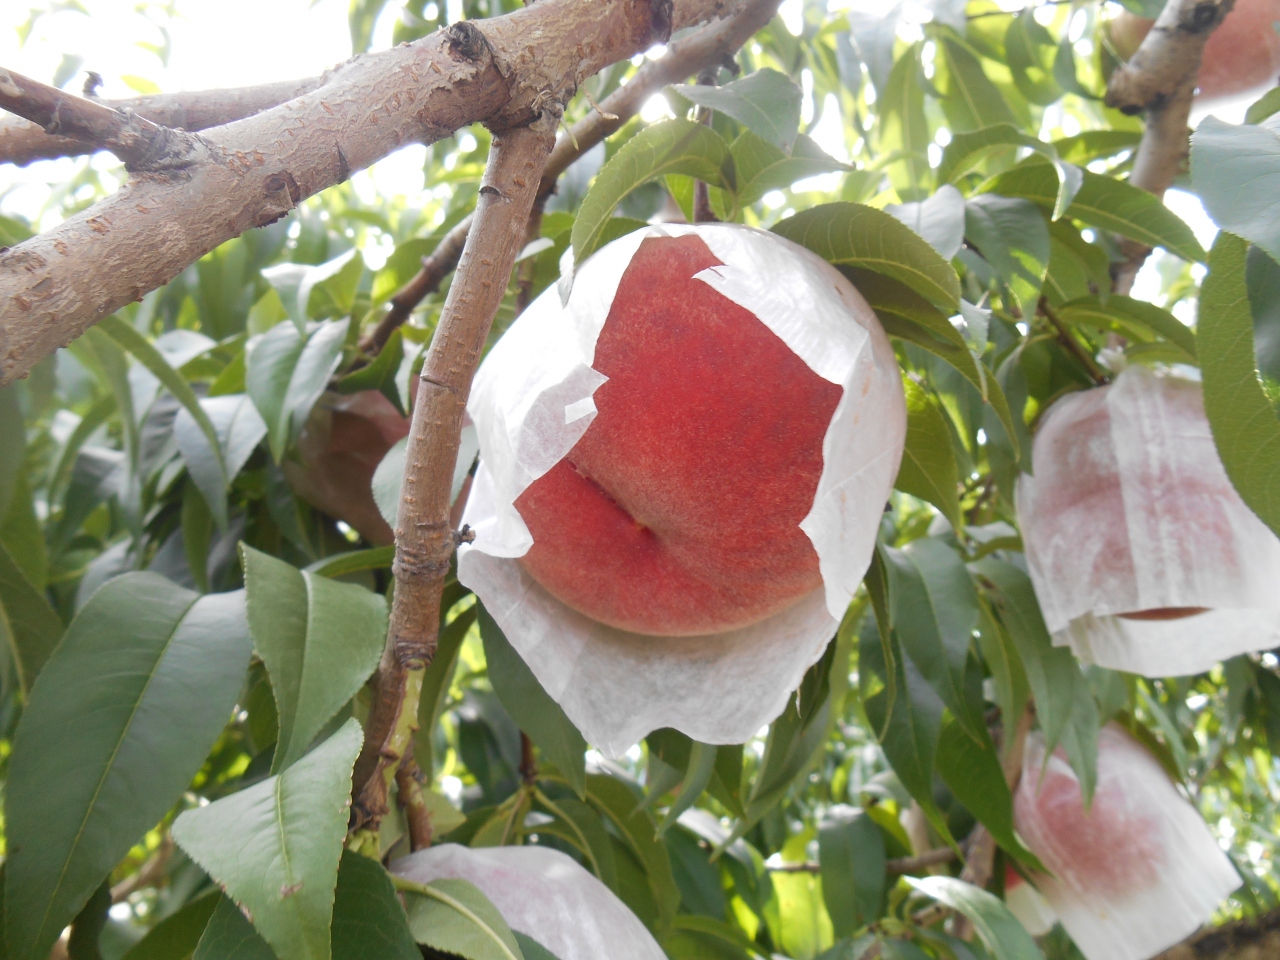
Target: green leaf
x: 151, y: 358
x: 531, y: 948
x: 1104, y: 202
x: 27, y: 623
x: 1244, y: 425
x: 1000, y: 931
x: 13, y: 445
x: 287, y: 372
x: 531, y: 707
x: 762, y: 167
x: 368, y: 920
x: 177, y: 935
x: 436, y: 680
x: 904, y: 130
x: 1235, y: 170
x: 855, y: 236
x: 967, y: 150
x: 354, y: 561
x: 146, y: 676
x: 582, y: 826
x: 908, y: 725
x: 1012, y: 235
x: 852, y: 859
x: 1031, y: 53
x: 935, y: 611
x: 939, y: 219
x: 230, y: 936
x: 972, y: 100
x: 1096, y: 145
x: 766, y: 102
x: 1051, y: 671
x: 1080, y: 739
x: 905, y: 314
x: 673, y: 146
x: 1008, y: 675
x: 453, y: 916
x: 971, y: 770
x: 1131, y: 317
x: 274, y: 847
x: 319, y: 639
x: 379, y: 375
x: 361, y: 18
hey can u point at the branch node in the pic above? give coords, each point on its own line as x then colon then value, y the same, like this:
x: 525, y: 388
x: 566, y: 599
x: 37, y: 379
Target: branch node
x: 466, y: 41
x: 92, y: 81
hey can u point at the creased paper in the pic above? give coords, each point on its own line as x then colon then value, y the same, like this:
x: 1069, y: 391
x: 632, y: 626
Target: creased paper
x: 1139, y: 871
x: 543, y: 894
x: 1129, y: 509
x: 531, y: 403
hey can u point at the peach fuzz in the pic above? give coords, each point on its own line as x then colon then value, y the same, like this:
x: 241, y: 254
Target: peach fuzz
x: 678, y: 512
x: 1242, y: 55
x: 340, y: 449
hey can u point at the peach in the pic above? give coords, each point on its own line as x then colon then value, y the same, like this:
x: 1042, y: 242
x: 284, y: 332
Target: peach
x: 1135, y: 872
x: 678, y: 512
x: 1143, y: 556
x: 340, y: 448
x: 1242, y: 55
x: 686, y: 449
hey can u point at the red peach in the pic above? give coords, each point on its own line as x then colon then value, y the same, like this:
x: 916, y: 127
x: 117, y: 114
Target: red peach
x: 677, y: 513
x: 1241, y: 55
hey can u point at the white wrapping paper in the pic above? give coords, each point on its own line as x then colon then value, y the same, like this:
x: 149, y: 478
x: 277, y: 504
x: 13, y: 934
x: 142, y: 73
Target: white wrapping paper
x: 1139, y: 871
x: 532, y: 401
x: 543, y: 894
x: 1130, y: 510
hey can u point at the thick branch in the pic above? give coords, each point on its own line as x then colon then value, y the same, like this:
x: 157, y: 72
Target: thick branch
x: 709, y: 46
x: 141, y: 144
x: 55, y: 286
x: 22, y: 141
x: 424, y: 538
x: 1160, y: 79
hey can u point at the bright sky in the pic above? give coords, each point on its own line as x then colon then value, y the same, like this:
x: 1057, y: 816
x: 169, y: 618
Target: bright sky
x: 218, y: 43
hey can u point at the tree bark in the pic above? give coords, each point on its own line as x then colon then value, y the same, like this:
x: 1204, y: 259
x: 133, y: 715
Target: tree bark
x: 1253, y: 939
x: 253, y: 171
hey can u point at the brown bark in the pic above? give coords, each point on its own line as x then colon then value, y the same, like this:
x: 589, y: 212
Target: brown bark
x: 710, y: 45
x: 1252, y: 939
x: 1160, y: 80
x: 253, y: 171
x: 424, y: 537
x: 22, y: 141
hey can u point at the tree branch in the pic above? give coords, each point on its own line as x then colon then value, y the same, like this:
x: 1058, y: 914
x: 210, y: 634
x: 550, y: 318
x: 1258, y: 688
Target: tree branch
x: 253, y: 171
x: 424, y: 538
x: 1250, y: 939
x: 1160, y: 80
x: 22, y: 141
x: 709, y: 46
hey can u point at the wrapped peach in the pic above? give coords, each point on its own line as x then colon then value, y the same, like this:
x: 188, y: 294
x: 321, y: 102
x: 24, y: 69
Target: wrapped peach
x: 340, y: 448
x: 543, y: 894
x: 1136, y: 872
x: 1143, y: 556
x: 682, y: 471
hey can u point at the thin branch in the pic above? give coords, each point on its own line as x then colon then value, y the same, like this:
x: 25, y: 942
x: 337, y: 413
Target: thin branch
x: 56, y: 285
x: 22, y: 141
x: 710, y: 45
x: 702, y: 212
x: 409, y: 781
x: 141, y: 144
x: 424, y: 539
x: 1160, y: 80
x: 1071, y: 345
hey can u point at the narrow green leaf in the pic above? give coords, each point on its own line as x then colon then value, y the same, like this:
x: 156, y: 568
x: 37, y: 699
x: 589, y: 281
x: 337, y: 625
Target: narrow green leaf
x: 1128, y: 316
x: 928, y: 468
x: 238, y: 427
x: 146, y: 675
x: 177, y: 935
x: 766, y: 102
x: 1000, y: 931
x: 973, y: 101
x: 151, y: 358
x: 531, y: 707
x: 904, y: 130
x: 453, y: 916
x: 1244, y: 425
x: 1011, y: 233
x: 1031, y: 52
x: 673, y: 146
x: 761, y: 167
x: 1080, y: 739
x: 368, y: 920
x: 13, y: 445
x: 286, y: 373
x: 354, y: 561
x: 274, y: 847
x: 230, y: 936
x: 852, y: 859
x: 855, y: 236
x: 971, y: 770
x: 27, y: 623
x: 320, y: 640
